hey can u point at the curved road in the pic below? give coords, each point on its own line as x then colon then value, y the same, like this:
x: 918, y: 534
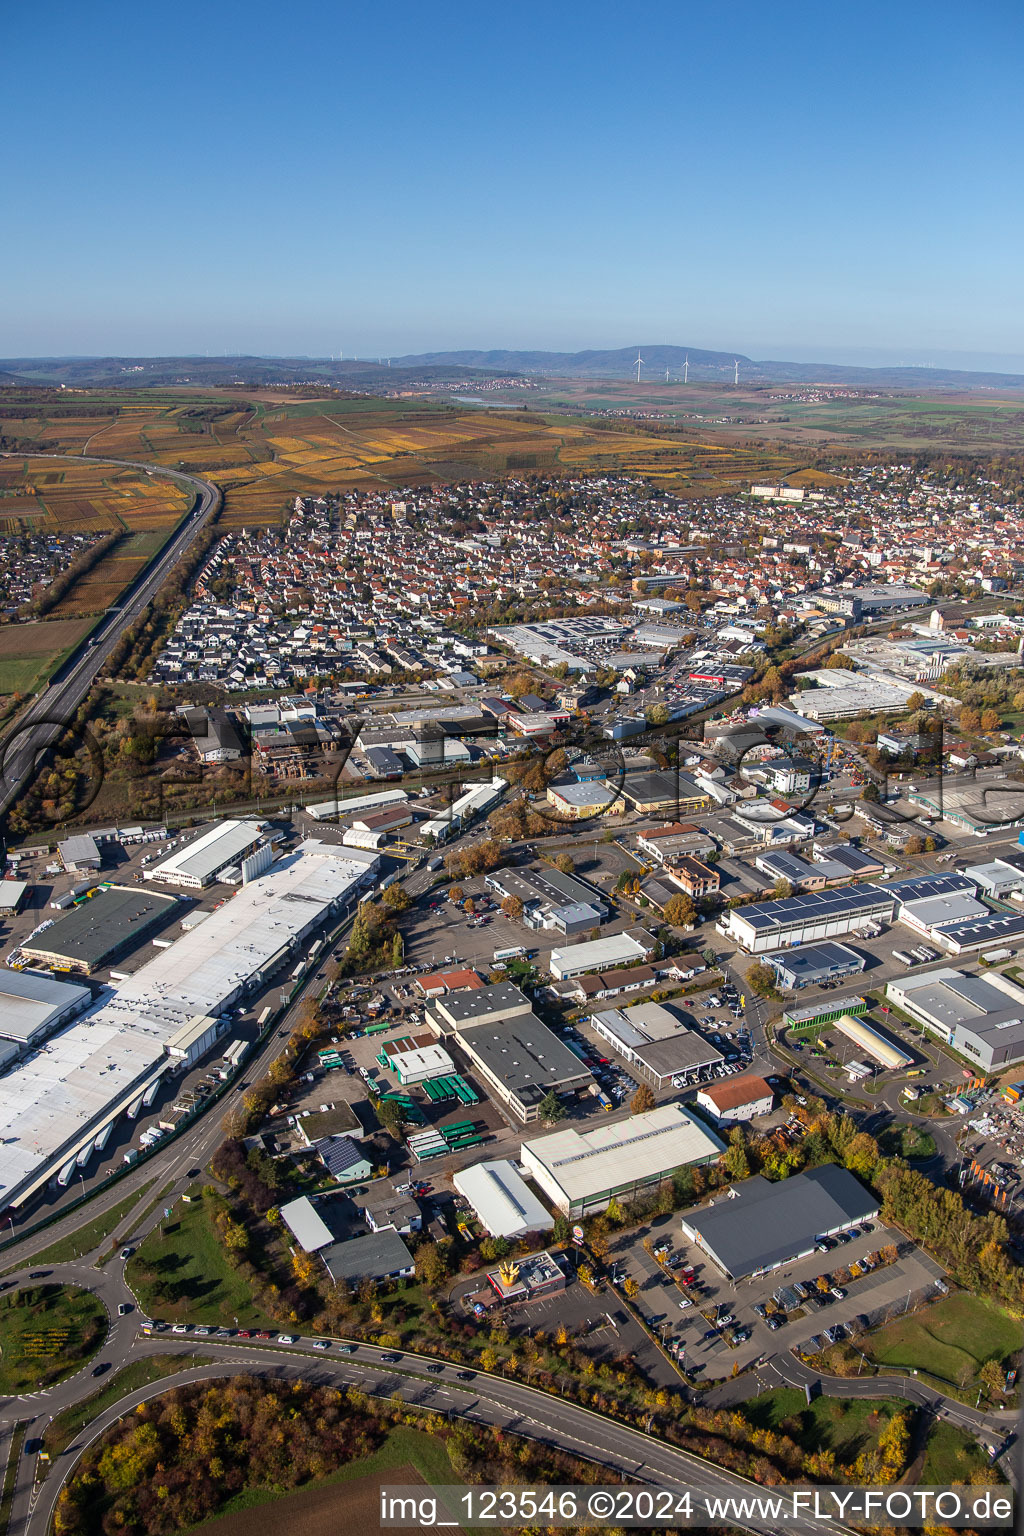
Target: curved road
x: 41, y: 723
x: 489, y: 1400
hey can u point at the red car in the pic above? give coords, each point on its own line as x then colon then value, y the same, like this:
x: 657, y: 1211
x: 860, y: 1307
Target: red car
x: 245, y: 1333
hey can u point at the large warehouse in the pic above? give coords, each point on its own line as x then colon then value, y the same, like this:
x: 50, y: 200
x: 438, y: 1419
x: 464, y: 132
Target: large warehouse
x: 582, y: 1171
x: 32, y: 1005
x: 764, y: 926
x: 764, y: 1226
x: 199, y: 862
x: 56, y: 1101
x: 521, y: 1061
x: 504, y: 1202
x: 98, y: 931
x: 656, y: 1040
x: 981, y: 1017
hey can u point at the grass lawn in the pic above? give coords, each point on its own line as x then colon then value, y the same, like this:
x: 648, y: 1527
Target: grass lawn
x: 909, y: 1141
x: 403, y: 1447
x: 950, y: 1340
x: 184, y: 1276
x: 845, y: 1425
x: 46, y: 1332
x: 950, y: 1456
x: 61, y: 1432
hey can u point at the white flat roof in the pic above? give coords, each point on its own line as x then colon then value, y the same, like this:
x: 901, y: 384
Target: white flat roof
x: 30, y: 1000
x: 202, y: 858
x: 599, y: 954
x: 502, y: 1199
x: 583, y: 1162
x: 424, y: 1058
x: 64, y: 1088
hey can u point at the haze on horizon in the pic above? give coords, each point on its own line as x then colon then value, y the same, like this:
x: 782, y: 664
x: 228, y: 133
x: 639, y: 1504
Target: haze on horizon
x: 809, y: 185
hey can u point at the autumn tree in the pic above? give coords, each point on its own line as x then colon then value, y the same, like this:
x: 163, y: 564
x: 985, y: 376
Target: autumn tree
x: 642, y: 1101
x: 512, y: 907
x: 680, y: 911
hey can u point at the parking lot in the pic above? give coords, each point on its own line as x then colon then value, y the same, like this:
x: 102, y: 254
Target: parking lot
x: 694, y: 1317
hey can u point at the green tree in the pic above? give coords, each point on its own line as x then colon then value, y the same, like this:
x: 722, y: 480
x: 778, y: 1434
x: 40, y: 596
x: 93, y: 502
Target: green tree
x: 551, y: 1107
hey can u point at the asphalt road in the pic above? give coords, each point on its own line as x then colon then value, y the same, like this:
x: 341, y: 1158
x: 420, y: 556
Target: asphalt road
x: 489, y: 1400
x: 42, y: 722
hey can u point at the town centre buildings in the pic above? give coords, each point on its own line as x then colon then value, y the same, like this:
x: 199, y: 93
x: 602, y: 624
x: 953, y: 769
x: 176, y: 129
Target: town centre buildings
x: 56, y: 1101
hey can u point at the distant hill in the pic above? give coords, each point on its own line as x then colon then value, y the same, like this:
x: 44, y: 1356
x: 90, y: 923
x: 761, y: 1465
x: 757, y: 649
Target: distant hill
x: 706, y: 367
x: 590, y: 365
x: 371, y: 376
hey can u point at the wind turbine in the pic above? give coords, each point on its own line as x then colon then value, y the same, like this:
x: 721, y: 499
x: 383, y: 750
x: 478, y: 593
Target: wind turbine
x: 686, y: 369
x: 639, y: 364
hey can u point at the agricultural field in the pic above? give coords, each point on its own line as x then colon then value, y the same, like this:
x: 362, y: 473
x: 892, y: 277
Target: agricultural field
x: 802, y: 416
x: 30, y: 652
x: 266, y: 449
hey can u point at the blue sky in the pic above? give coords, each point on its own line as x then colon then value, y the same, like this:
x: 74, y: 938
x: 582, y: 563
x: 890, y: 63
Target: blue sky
x: 802, y: 181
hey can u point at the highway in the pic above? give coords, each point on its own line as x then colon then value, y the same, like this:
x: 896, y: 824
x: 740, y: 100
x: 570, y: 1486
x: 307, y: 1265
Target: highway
x: 40, y: 725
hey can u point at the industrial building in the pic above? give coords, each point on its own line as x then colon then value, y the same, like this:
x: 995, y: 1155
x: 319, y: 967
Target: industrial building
x: 981, y: 1017
x: 649, y: 792
x: 200, y: 862
x: 738, y: 1098
x: 503, y: 1201
x: 618, y: 949
x: 78, y: 853
x: 62, y: 1097
x: 474, y: 801
x: 12, y: 894
x: 306, y: 1225
x: 551, y: 899
x: 521, y: 1061
x: 815, y: 964
x: 581, y: 1171
x: 32, y: 1006
x: 765, y: 926
x: 762, y: 1226
x: 416, y: 1065
x: 331, y: 810
x: 656, y: 1040
x: 873, y: 1042
x: 98, y: 931
x: 576, y: 802
x: 478, y: 1005
x: 376, y: 1256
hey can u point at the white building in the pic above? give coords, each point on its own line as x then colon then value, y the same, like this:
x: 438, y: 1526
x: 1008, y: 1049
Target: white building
x: 581, y: 1171
x: 503, y: 1201
x: 199, y: 862
x: 737, y: 1098
x: 58, y: 1100
x: 608, y: 954
x: 418, y: 1065
x: 766, y: 926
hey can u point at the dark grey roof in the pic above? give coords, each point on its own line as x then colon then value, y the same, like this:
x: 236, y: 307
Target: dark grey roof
x: 372, y: 1257
x: 767, y: 1224
x: 812, y: 960
x: 679, y: 1053
x: 464, y: 1007
x: 765, y: 915
x: 109, y: 922
x: 523, y: 1054
x: 920, y: 886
